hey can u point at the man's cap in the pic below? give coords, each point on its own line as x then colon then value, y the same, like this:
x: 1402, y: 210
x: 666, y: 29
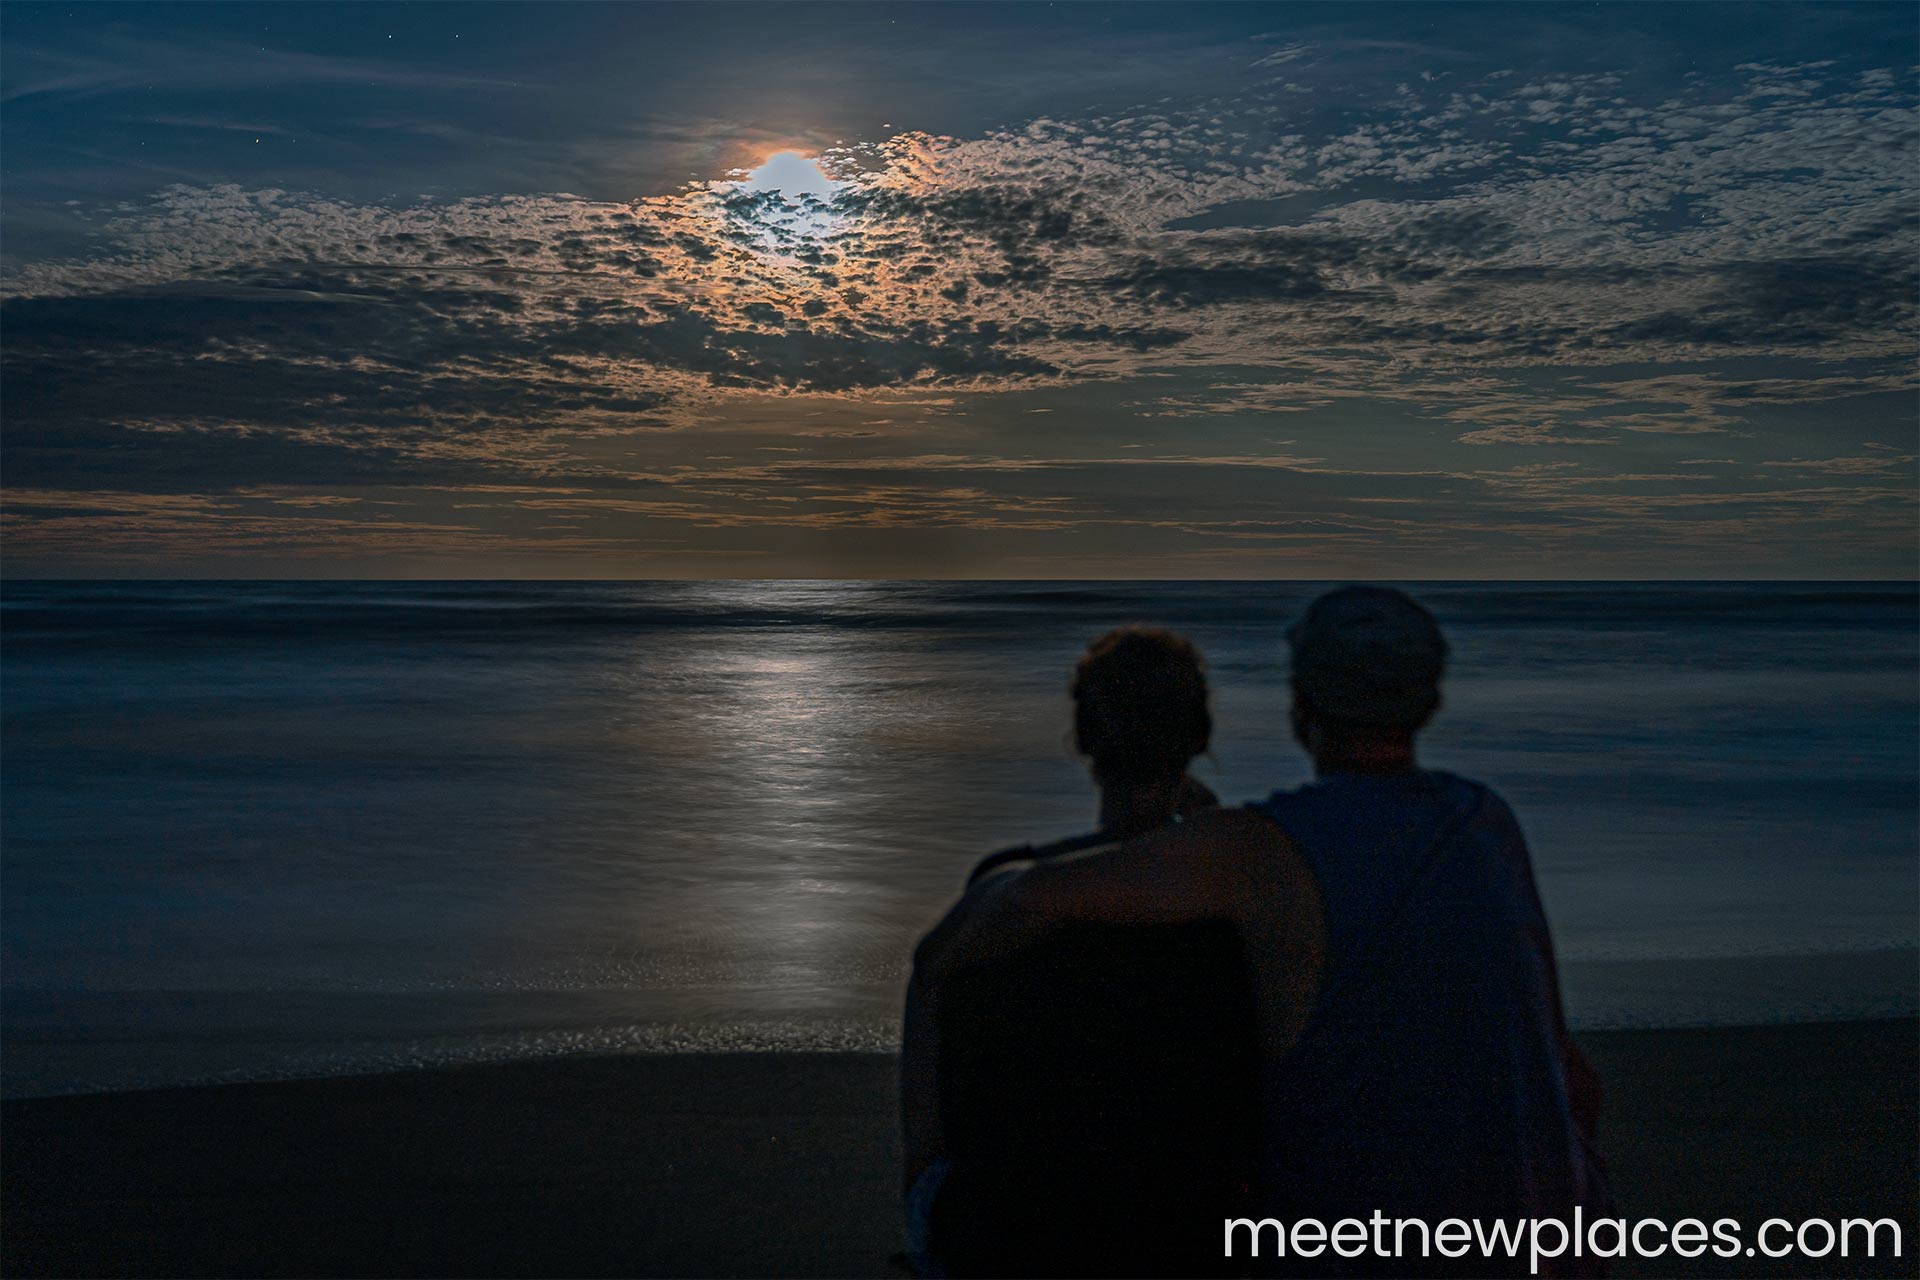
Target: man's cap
x: 1369, y: 656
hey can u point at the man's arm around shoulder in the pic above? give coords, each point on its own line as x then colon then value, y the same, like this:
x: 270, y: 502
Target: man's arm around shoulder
x: 1213, y: 866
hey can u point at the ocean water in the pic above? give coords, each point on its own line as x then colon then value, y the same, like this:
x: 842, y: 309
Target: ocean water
x: 275, y: 828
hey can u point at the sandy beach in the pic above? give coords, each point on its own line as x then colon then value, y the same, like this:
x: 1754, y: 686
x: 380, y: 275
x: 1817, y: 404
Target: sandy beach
x: 783, y: 1164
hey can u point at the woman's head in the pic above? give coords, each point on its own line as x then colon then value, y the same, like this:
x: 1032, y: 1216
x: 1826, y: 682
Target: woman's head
x: 1140, y: 705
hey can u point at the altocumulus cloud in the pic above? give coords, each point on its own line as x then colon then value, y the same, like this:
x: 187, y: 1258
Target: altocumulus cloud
x: 1515, y: 259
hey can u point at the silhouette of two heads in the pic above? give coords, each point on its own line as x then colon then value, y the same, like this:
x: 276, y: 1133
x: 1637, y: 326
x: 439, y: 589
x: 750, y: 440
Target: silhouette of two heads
x: 1366, y: 664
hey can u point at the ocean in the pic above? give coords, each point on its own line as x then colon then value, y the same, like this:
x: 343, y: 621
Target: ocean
x: 266, y: 829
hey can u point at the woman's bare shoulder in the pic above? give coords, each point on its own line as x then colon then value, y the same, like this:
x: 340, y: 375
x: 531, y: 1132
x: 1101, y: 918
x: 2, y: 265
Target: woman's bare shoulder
x: 1237, y: 830
x: 1252, y: 859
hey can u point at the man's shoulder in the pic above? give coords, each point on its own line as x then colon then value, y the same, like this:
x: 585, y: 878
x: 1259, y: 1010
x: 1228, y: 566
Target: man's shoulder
x: 1448, y: 778
x: 1450, y: 791
x: 1482, y: 798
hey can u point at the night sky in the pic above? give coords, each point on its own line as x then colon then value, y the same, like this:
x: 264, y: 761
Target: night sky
x: 1034, y: 290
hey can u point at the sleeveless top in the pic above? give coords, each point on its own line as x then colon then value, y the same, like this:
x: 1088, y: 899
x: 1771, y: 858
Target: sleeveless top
x: 1429, y: 1081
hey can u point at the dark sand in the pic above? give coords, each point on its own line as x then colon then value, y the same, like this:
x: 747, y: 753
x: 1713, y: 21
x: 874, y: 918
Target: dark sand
x: 784, y: 1164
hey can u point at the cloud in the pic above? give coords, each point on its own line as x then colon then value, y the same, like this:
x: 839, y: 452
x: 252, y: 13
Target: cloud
x: 1530, y: 433
x: 1530, y: 260
x: 1878, y: 464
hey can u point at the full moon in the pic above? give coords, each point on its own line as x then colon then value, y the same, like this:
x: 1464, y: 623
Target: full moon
x: 793, y: 174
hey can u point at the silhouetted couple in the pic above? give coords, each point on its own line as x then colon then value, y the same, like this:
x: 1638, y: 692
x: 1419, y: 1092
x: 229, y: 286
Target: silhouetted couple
x: 1336, y: 1002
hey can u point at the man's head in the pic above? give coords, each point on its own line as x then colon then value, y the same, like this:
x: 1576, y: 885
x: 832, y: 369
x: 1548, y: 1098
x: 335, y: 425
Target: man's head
x: 1140, y: 705
x: 1367, y: 663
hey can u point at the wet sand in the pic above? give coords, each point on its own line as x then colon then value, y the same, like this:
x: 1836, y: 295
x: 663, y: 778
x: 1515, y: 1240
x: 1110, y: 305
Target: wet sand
x: 783, y: 1164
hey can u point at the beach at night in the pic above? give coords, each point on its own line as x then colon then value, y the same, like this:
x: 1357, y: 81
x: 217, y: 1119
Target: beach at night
x: 936, y: 639
x: 781, y: 1164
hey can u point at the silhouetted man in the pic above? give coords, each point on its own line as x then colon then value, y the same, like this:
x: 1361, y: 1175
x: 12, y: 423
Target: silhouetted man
x: 1414, y: 1060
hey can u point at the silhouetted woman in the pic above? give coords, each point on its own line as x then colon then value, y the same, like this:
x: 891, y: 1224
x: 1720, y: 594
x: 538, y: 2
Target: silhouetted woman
x: 1076, y: 1108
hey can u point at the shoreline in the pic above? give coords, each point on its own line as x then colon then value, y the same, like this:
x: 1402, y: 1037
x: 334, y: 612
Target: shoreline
x: 148, y: 1040
x: 784, y: 1163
